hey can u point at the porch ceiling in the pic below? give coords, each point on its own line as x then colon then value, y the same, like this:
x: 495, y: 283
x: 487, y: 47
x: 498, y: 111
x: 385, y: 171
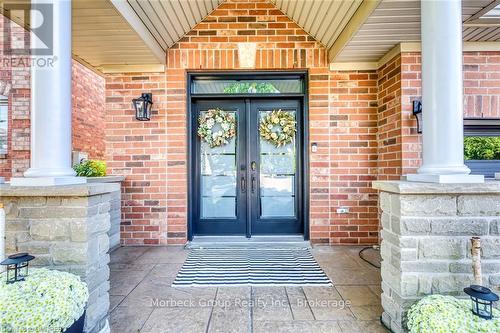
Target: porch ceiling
x: 169, y: 20
x: 101, y: 37
x: 322, y: 19
x: 397, y: 21
x: 108, y: 34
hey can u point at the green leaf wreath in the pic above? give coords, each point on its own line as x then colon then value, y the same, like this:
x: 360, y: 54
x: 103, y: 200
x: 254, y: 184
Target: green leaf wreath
x: 216, y: 127
x: 278, y: 127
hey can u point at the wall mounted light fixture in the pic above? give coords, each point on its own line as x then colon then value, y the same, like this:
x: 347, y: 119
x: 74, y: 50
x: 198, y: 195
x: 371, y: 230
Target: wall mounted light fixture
x: 417, y: 112
x: 142, y: 106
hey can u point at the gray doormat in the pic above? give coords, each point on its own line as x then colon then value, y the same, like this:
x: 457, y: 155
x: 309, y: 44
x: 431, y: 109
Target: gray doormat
x: 250, y: 266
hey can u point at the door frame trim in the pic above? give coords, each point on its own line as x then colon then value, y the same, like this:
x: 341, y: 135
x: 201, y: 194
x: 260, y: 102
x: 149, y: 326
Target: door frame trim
x: 238, y: 74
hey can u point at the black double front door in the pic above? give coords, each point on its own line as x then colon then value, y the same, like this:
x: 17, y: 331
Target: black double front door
x: 248, y: 186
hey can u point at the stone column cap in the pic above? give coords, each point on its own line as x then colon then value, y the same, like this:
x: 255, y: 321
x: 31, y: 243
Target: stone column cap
x: 79, y: 190
x: 106, y: 179
x: 405, y: 187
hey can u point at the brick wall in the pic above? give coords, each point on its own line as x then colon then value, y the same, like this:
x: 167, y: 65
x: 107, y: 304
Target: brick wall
x: 153, y: 155
x: 481, y: 97
x: 389, y: 120
x: 88, y: 111
x: 88, y: 105
x: 15, y: 85
x: 352, y: 157
x: 482, y: 84
x: 138, y: 150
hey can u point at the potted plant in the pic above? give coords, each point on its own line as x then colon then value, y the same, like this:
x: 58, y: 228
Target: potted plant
x: 45, y: 301
x: 90, y: 168
x: 447, y: 314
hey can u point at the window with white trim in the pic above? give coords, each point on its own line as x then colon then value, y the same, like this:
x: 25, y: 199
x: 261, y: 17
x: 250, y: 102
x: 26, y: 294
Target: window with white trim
x: 482, y: 146
x: 4, y: 123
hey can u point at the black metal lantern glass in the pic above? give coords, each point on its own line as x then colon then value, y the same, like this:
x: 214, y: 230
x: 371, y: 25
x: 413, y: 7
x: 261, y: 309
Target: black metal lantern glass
x: 482, y: 300
x: 17, y: 266
x: 417, y: 112
x: 143, y: 106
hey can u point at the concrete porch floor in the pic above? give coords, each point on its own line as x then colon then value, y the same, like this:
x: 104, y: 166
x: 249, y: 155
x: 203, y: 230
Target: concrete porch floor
x: 141, y: 276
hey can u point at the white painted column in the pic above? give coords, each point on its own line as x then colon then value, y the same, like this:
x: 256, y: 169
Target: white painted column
x: 442, y: 94
x: 51, y: 104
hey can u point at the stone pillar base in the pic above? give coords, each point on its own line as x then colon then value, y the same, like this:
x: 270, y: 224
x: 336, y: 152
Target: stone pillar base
x: 426, y: 236
x: 65, y: 228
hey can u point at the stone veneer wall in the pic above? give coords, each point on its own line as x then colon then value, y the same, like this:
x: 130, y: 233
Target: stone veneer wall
x: 426, y: 241
x: 65, y: 228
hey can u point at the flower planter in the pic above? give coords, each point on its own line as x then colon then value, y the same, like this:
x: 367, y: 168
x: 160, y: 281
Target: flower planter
x: 77, y: 326
x: 45, y: 301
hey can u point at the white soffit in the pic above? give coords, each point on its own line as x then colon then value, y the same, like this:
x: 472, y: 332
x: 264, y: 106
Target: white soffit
x: 101, y: 36
x: 322, y: 19
x: 398, y: 21
x: 169, y: 20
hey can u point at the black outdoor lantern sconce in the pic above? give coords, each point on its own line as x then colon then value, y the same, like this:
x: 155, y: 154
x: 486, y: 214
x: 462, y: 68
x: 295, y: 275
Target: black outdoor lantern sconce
x: 482, y: 300
x: 417, y: 112
x: 17, y: 266
x: 143, y: 106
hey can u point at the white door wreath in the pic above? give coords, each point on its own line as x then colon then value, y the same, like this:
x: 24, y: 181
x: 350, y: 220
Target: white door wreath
x: 216, y: 127
x: 278, y: 127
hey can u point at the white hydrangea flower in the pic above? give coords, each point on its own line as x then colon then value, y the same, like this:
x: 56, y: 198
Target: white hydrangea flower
x: 47, y: 301
x: 447, y: 314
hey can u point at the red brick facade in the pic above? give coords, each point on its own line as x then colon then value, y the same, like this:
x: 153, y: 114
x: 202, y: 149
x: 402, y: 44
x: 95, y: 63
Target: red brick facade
x: 343, y: 121
x: 361, y: 121
x: 89, y: 100
x: 400, y: 84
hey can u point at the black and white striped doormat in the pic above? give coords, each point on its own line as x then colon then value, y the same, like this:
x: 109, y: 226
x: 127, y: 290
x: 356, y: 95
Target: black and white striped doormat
x: 250, y: 266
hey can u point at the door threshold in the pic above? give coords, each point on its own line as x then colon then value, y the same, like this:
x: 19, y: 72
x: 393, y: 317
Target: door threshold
x: 284, y: 241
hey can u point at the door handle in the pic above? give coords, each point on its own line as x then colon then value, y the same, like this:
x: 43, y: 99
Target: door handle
x: 243, y: 185
x: 253, y: 165
x: 253, y: 184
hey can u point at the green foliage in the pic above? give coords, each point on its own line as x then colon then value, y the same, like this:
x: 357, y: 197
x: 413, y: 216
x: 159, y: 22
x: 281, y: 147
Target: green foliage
x: 251, y: 88
x: 482, y: 148
x: 46, y: 301
x: 447, y: 314
x: 90, y: 168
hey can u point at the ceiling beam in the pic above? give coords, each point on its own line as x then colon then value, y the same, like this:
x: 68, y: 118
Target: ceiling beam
x: 146, y: 68
x: 357, y: 20
x: 407, y: 48
x: 123, y: 7
x: 483, y: 11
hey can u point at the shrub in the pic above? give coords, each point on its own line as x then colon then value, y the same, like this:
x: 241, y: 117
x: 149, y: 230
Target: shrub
x: 90, y: 168
x: 47, y: 301
x: 446, y: 314
x: 482, y: 148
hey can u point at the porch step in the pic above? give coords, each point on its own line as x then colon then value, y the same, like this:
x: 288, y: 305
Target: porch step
x: 287, y: 242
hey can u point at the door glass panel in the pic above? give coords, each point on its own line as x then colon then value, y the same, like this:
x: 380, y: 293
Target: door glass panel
x: 277, y: 186
x: 278, y: 207
x: 218, y: 180
x: 277, y: 177
x: 217, y: 207
x: 265, y: 86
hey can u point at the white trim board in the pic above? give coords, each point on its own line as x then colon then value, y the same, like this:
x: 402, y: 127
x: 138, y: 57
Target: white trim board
x: 408, y: 47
